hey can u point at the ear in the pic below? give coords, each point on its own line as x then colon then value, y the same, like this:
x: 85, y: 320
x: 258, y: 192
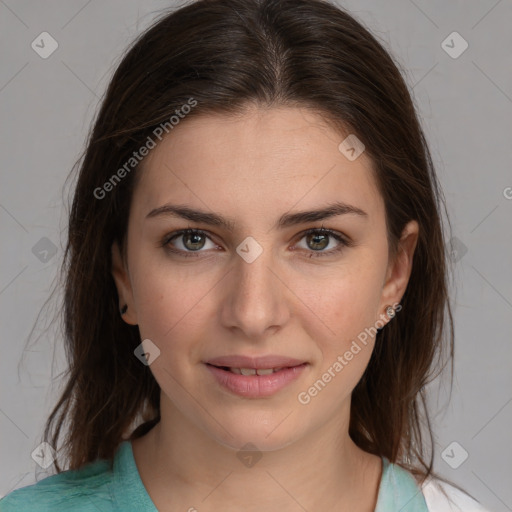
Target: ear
x: 399, y: 270
x: 123, y: 285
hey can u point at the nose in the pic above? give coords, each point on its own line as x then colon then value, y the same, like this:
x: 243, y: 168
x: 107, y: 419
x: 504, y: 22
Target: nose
x: 255, y: 298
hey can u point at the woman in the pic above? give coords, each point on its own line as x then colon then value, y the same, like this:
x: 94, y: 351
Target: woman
x: 256, y: 276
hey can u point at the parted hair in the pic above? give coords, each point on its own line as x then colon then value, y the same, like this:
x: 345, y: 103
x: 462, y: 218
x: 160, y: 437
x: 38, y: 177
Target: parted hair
x: 228, y: 55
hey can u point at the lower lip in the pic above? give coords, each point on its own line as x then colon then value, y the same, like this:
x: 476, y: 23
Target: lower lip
x: 256, y: 386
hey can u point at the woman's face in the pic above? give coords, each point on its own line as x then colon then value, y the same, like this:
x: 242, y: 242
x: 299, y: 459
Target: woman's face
x: 250, y: 282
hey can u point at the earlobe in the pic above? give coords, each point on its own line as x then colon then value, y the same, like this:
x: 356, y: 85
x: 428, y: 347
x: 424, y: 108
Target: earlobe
x: 400, y: 268
x: 123, y: 285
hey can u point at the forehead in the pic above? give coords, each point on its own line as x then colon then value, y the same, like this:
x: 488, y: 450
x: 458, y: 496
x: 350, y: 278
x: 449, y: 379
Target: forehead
x: 263, y: 160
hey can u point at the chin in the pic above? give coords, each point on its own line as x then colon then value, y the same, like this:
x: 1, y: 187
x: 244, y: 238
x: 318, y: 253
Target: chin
x: 266, y: 434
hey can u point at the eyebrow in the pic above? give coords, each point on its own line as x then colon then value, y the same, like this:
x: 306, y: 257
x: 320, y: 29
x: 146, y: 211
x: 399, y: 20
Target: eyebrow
x: 286, y: 220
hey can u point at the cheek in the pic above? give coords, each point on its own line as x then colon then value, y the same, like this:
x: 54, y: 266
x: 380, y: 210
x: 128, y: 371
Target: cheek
x: 348, y: 303
x: 349, y: 309
x: 172, y: 303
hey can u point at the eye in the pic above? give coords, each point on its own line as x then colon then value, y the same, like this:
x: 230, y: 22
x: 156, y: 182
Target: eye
x: 190, y: 242
x: 318, y: 239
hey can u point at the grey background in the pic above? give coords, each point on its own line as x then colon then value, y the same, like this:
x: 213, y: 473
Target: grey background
x: 47, y: 106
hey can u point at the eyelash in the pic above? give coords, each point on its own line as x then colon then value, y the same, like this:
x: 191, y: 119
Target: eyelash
x: 343, y: 242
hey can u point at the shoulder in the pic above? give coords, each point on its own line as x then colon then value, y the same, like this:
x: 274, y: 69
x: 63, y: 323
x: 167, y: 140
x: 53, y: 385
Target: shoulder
x: 81, y: 490
x: 443, y: 497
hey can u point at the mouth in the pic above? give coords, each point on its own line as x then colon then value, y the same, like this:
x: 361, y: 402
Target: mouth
x: 252, y: 371
x: 251, y: 382
x: 249, y: 363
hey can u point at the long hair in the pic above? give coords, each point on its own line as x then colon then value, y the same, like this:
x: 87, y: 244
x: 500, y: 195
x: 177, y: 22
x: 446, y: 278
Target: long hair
x: 219, y: 56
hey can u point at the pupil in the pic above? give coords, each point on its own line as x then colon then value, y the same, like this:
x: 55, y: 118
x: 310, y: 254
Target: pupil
x: 195, y: 237
x: 323, y: 244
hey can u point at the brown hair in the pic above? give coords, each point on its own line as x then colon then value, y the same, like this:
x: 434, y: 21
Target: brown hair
x: 227, y: 54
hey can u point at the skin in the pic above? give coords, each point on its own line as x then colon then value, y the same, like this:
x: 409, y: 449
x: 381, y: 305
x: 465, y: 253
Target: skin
x: 253, y: 168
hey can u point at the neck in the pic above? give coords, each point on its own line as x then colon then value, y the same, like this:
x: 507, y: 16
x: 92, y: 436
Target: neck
x: 183, y: 468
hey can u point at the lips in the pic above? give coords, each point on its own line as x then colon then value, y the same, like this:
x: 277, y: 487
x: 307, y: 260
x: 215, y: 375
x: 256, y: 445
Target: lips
x: 251, y: 371
x: 255, y: 377
x: 257, y: 363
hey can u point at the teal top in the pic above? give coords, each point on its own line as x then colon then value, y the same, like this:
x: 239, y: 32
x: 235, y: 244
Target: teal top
x: 95, y: 488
